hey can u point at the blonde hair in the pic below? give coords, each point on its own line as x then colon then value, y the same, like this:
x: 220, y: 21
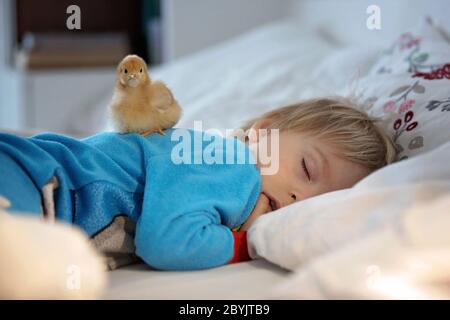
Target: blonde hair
x: 338, y: 121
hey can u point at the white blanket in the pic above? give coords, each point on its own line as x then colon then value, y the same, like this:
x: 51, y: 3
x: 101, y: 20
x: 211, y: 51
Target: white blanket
x: 46, y: 260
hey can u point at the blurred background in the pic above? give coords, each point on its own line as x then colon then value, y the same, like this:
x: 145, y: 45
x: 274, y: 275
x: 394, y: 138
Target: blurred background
x: 47, y: 72
x: 51, y: 77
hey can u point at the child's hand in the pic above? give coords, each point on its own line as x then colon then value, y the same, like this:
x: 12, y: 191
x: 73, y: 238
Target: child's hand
x: 262, y: 207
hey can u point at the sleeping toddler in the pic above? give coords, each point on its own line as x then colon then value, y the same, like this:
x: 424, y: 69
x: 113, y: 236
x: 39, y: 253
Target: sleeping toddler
x: 137, y: 200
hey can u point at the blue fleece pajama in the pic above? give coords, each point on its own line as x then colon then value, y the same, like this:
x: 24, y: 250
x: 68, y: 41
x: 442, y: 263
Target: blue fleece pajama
x: 183, y: 212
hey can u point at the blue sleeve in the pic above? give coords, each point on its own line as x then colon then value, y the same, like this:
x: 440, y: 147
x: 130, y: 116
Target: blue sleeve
x: 188, y: 210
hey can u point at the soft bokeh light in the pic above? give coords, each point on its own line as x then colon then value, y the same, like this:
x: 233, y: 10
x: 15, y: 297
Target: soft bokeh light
x: 398, y: 288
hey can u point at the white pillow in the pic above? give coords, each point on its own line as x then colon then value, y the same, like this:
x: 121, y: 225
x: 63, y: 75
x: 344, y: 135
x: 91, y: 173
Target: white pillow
x: 344, y: 67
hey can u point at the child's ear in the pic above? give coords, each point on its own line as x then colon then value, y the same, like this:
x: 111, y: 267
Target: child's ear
x: 256, y: 130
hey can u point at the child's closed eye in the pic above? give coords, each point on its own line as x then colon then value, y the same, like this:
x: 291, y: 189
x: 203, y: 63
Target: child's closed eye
x: 305, y: 169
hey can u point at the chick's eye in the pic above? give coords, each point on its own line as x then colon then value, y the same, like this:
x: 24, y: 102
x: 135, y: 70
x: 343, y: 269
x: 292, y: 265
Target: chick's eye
x: 140, y: 70
x: 125, y: 71
x: 305, y: 169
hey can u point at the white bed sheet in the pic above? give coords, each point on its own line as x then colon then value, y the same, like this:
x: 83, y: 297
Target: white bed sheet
x: 246, y: 280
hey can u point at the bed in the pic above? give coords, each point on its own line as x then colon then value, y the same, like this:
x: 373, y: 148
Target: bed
x: 249, y: 280
x: 333, y: 246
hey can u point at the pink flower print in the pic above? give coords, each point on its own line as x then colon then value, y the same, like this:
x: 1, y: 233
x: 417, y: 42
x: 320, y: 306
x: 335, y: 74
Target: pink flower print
x: 405, y: 36
x: 404, y: 39
x: 407, y: 41
x: 413, y: 42
x: 406, y: 105
x: 388, y: 106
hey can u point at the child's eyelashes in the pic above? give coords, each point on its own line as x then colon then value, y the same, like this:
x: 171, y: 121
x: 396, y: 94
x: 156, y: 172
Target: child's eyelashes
x: 305, y: 169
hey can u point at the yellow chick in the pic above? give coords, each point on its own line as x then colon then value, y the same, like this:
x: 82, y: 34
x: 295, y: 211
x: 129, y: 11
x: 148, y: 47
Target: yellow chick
x: 140, y: 104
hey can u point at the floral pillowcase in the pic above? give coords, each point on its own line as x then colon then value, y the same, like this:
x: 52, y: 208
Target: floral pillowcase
x: 424, y: 50
x: 409, y: 88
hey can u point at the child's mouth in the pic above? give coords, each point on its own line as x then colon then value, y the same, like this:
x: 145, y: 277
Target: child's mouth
x: 272, y: 205
x: 272, y: 202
